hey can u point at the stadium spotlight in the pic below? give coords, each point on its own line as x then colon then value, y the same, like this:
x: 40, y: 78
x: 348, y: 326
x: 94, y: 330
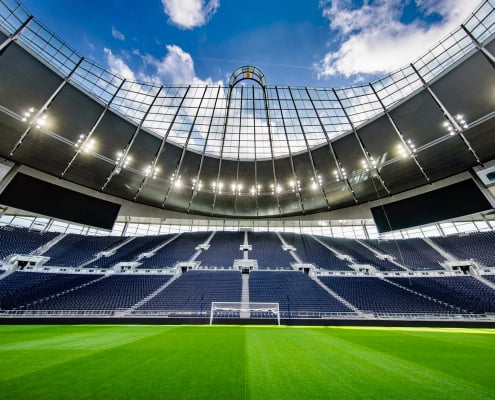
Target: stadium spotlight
x: 29, y: 118
x: 462, y: 122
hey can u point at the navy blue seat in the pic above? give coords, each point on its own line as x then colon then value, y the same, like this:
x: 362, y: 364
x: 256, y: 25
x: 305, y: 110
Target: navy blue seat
x: 293, y: 290
x: 180, y: 249
x: 130, y: 251
x: 267, y: 250
x: 311, y: 251
x: 195, y: 290
x: 413, y: 253
x: 224, y: 249
x: 464, y: 292
x: 21, y: 288
x: 15, y: 240
x: 112, y: 293
x: 476, y: 246
x: 376, y: 295
x: 359, y: 253
x: 74, y: 250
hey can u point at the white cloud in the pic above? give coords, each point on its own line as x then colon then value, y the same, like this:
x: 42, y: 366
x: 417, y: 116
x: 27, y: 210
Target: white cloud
x: 117, y: 34
x: 189, y: 14
x: 118, y: 66
x: 374, y: 40
x: 176, y: 68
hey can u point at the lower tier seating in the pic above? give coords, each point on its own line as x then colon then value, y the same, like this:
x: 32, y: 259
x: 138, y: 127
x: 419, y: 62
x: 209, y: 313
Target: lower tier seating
x: 378, y: 296
x: 293, y: 290
x: 111, y: 293
x: 195, y: 290
x: 465, y: 292
x: 21, y: 288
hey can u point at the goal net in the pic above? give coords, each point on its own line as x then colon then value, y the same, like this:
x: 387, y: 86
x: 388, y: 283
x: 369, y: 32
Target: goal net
x: 244, y: 310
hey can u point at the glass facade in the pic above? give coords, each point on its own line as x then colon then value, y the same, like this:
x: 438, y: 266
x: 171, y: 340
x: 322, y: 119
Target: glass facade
x: 246, y: 122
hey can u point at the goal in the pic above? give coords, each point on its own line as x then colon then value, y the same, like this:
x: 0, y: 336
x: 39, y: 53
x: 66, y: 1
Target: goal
x: 244, y: 310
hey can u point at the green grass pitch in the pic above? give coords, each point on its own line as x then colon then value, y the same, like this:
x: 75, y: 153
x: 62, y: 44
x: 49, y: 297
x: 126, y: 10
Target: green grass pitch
x: 245, y: 362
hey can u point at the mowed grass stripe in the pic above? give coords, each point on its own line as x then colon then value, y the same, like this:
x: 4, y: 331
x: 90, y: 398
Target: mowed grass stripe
x: 315, y: 364
x: 201, y: 362
x: 166, y: 365
x: 466, y: 356
x: 28, y: 354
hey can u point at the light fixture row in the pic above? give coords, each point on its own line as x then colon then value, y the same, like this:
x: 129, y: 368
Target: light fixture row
x: 29, y: 116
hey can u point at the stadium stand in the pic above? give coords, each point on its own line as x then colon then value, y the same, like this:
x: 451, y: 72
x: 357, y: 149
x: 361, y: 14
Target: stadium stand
x: 490, y: 278
x: 180, y: 249
x: 413, y: 253
x: 293, y: 290
x: 359, y: 253
x: 310, y: 251
x: 371, y: 294
x: 195, y: 290
x: 111, y: 293
x: 21, y: 288
x: 475, y: 246
x: 14, y: 240
x: 129, y: 251
x: 465, y: 292
x: 74, y: 250
x: 267, y: 250
x: 224, y: 249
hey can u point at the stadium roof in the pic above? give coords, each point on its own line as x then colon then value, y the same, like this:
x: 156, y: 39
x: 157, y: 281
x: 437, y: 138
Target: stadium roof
x: 247, y: 149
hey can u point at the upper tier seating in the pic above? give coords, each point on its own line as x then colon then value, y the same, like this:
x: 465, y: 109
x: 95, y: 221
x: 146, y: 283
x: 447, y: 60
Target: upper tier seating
x: 21, y: 288
x: 413, y: 253
x: 359, y: 253
x: 267, y: 249
x: 310, y: 251
x: 477, y: 246
x: 111, y: 293
x: 21, y: 240
x: 376, y: 295
x: 465, y: 292
x: 224, y: 249
x: 130, y: 251
x: 74, y: 250
x: 180, y: 249
x: 293, y: 290
x: 490, y: 278
x: 195, y: 290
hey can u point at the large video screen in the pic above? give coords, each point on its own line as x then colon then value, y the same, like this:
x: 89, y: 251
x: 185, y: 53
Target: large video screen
x: 30, y: 194
x: 452, y: 201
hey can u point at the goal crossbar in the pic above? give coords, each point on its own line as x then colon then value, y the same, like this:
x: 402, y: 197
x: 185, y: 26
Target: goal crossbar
x: 245, y: 308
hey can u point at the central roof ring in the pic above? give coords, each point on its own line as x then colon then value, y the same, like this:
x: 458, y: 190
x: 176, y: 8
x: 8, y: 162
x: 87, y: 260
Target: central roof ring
x: 247, y: 72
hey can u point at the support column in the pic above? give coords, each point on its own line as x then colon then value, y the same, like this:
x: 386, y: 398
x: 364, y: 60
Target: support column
x: 447, y: 114
x: 117, y: 168
x: 92, y: 130
x: 371, y: 166
x: 399, y: 134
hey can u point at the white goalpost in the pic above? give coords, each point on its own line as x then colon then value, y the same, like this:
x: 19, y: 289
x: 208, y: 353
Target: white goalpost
x: 246, y: 309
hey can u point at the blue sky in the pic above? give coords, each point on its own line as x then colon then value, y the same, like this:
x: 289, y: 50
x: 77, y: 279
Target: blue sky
x: 302, y: 43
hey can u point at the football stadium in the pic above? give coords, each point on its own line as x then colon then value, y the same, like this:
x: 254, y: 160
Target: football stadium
x: 239, y: 239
